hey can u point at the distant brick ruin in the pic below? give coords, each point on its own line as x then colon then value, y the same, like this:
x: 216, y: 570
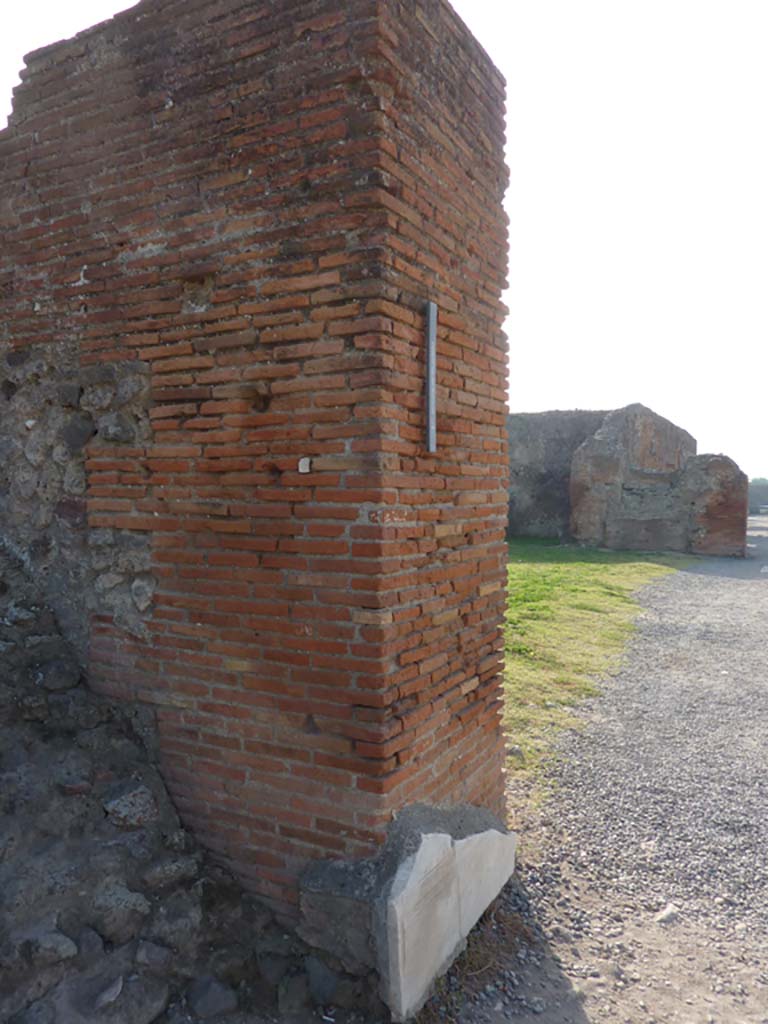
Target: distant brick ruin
x: 221, y: 223
x: 632, y: 482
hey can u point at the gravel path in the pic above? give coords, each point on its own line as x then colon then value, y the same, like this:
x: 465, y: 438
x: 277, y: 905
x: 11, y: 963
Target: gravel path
x: 664, y: 796
x: 644, y: 876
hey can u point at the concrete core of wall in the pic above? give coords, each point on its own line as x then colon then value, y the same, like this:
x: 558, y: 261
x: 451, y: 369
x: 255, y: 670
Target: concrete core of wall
x: 51, y: 409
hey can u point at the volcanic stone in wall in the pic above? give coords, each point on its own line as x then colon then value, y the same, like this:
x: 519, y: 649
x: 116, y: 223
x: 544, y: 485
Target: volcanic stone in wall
x: 51, y: 411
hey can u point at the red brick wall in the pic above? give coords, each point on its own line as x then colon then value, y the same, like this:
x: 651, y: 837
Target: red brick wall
x: 445, y: 178
x: 256, y: 201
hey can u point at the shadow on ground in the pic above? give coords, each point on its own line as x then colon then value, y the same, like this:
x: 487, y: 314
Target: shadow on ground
x: 509, y: 972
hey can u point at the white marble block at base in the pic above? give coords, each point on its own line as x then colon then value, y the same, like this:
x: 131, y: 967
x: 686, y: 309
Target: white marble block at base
x: 436, y: 898
x: 484, y: 865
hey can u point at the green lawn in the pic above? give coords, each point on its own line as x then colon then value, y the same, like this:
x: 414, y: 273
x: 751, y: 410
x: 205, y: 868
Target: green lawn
x: 570, y: 612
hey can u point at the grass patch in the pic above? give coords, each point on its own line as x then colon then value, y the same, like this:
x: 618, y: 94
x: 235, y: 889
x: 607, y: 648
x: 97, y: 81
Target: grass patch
x: 570, y: 612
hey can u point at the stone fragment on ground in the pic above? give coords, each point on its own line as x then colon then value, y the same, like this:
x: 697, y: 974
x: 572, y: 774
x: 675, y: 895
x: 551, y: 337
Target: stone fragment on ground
x: 669, y: 915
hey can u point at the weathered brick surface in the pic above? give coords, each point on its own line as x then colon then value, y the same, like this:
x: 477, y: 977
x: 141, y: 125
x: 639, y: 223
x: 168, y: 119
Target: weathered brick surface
x: 254, y: 202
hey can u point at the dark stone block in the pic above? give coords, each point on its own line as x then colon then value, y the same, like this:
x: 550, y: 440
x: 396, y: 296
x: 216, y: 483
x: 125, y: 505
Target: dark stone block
x: 117, y: 428
x: 77, y: 431
x: 293, y: 997
x: 323, y: 982
x: 17, y: 356
x: 208, y: 997
x: 72, y: 511
x: 69, y: 395
x: 58, y: 674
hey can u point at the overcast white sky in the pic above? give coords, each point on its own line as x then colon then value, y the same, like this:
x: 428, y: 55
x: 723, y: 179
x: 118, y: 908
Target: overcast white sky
x: 638, y: 148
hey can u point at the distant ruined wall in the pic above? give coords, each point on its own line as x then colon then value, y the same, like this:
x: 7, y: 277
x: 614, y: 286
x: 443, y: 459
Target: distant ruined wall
x: 716, y: 492
x: 626, y: 479
x: 638, y: 484
x: 541, y: 447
